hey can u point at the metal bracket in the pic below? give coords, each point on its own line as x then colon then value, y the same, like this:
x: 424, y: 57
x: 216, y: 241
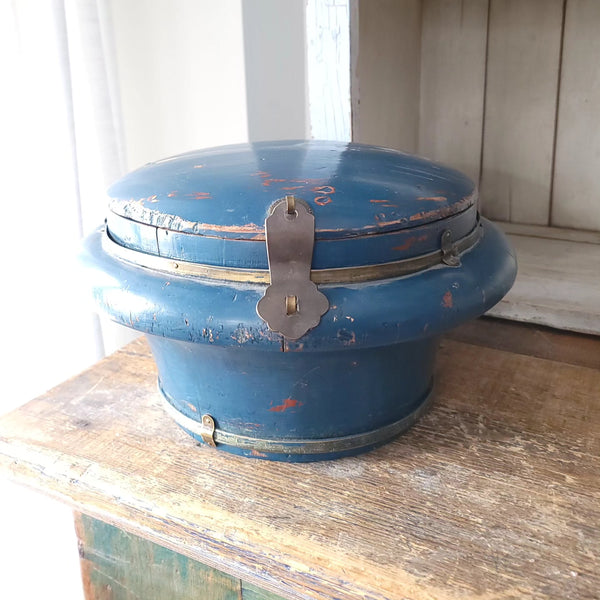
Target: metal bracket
x: 292, y: 304
x: 207, y: 432
x: 449, y: 250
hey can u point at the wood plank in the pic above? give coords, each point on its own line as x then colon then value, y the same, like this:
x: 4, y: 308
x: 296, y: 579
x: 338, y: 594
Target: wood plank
x: 453, y: 48
x: 493, y: 494
x: 385, y: 83
x: 520, y: 109
x: 557, y: 285
x: 520, y: 338
x: 551, y: 233
x: 576, y: 196
x: 116, y: 565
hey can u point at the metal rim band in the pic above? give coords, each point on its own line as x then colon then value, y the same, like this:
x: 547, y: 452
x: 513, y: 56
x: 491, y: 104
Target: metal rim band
x: 298, y: 446
x: 318, y: 276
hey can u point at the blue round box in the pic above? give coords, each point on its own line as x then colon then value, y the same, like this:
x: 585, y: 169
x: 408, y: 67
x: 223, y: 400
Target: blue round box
x: 399, y: 252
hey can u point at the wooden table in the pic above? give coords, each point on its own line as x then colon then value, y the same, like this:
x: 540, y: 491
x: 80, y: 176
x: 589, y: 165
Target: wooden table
x: 494, y: 494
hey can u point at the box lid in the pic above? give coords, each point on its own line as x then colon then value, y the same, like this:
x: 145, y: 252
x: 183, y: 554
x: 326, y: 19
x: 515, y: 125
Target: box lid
x: 371, y: 205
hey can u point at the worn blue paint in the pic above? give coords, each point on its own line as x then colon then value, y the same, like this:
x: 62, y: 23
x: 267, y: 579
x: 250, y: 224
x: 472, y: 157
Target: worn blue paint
x: 370, y: 360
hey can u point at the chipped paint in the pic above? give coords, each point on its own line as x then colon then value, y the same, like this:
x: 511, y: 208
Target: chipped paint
x: 409, y: 242
x: 268, y: 182
x: 447, y: 300
x: 323, y: 189
x: 322, y: 200
x: 433, y: 198
x: 383, y: 203
x: 287, y: 403
x: 346, y: 337
x: 255, y: 452
x: 200, y: 195
x: 192, y: 407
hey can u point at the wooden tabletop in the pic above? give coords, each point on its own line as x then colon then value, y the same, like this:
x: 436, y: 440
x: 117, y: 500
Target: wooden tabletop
x: 494, y: 494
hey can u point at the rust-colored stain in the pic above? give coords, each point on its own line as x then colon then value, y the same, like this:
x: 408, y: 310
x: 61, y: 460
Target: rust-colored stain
x: 433, y: 198
x: 447, y: 300
x: 409, y: 243
x: 324, y: 189
x: 268, y: 182
x: 384, y: 203
x: 254, y: 452
x: 287, y: 403
x: 200, y: 195
x: 172, y: 194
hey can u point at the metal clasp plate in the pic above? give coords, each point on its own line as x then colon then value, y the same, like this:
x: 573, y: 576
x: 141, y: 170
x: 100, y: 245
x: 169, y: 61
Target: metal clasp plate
x: 449, y: 250
x: 292, y: 304
x: 208, y: 430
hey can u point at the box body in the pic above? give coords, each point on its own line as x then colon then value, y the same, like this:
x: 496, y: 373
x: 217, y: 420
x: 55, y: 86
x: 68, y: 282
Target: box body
x: 399, y: 254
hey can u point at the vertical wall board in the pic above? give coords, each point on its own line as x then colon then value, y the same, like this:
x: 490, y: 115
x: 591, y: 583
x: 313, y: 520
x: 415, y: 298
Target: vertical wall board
x: 453, y: 46
x: 385, y: 107
x: 576, y: 198
x: 275, y: 69
x: 328, y: 68
x: 520, y: 109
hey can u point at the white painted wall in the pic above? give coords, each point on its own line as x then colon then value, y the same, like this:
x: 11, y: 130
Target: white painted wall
x: 181, y: 74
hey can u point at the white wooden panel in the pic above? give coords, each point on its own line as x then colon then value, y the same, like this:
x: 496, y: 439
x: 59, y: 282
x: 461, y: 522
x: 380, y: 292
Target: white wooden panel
x: 328, y: 68
x: 385, y: 107
x: 557, y: 285
x: 576, y: 200
x: 453, y: 48
x: 520, y: 109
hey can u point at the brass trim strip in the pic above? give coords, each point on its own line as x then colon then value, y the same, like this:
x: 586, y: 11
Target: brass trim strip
x: 319, y: 276
x: 298, y: 446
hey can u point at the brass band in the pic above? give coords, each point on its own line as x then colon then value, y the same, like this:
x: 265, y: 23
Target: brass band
x: 319, y: 276
x: 296, y: 446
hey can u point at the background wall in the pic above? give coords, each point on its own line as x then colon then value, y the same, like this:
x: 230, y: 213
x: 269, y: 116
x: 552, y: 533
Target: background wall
x: 177, y: 80
x: 505, y: 90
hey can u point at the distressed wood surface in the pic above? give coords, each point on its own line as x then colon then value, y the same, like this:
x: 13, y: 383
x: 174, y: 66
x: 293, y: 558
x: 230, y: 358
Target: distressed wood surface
x: 557, y: 284
x: 543, y: 342
x: 520, y: 109
x: 494, y: 494
x: 576, y: 196
x: 453, y: 53
x: 116, y: 565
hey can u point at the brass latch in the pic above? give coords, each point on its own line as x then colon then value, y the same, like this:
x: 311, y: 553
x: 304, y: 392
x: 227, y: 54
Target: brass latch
x: 292, y: 304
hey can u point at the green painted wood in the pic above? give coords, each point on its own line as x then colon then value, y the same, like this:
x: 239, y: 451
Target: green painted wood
x: 117, y: 565
x: 251, y: 592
